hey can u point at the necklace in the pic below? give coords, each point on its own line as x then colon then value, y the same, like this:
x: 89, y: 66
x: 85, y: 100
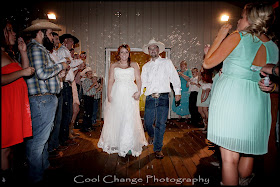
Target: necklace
x: 122, y: 64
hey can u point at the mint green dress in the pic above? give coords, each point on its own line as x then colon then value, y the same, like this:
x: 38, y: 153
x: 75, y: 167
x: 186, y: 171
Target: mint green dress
x: 239, y: 112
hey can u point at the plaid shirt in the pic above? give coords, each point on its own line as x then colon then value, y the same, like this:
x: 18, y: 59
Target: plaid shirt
x: 45, y: 79
x: 87, y: 83
x: 97, y: 94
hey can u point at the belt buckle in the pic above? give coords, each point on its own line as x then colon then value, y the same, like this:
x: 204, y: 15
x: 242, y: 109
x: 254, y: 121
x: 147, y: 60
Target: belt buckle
x: 155, y: 95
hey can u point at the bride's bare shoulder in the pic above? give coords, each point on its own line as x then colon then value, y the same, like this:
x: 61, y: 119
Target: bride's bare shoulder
x: 113, y: 65
x: 134, y: 65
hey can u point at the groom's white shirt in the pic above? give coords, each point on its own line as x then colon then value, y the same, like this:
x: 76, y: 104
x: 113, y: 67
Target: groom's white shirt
x: 157, y: 75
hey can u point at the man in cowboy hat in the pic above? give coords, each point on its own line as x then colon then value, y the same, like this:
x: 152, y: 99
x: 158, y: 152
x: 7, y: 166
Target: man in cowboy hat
x: 68, y: 41
x: 42, y: 90
x: 67, y: 36
x: 156, y: 76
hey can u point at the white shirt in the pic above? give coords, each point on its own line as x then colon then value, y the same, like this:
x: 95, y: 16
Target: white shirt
x: 193, y: 87
x: 64, y: 53
x: 205, y: 85
x: 157, y: 75
x: 56, y: 58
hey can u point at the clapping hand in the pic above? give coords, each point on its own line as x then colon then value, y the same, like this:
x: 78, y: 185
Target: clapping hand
x: 224, y: 30
x: 65, y: 66
x: 68, y: 61
x: 62, y: 73
x: 21, y: 45
x: 206, y: 48
x: 180, y: 73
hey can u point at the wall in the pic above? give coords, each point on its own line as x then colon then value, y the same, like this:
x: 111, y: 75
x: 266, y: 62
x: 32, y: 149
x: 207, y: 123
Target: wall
x: 184, y: 26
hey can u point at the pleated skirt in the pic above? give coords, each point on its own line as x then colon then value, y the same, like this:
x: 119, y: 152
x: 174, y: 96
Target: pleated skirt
x: 239, y: 116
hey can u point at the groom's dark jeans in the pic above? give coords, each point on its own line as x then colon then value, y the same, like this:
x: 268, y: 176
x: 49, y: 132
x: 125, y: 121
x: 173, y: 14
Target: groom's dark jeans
x: 156, y: 111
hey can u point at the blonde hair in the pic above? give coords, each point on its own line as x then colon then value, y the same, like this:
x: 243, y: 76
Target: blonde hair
x: 261, y: 17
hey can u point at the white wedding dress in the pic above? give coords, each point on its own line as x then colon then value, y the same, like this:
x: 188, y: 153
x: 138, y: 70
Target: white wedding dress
x: 122, y: 130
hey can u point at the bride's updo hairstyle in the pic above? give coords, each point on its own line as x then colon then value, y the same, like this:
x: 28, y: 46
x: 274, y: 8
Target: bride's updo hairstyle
x: 119, y: 51
x: 260, y: 16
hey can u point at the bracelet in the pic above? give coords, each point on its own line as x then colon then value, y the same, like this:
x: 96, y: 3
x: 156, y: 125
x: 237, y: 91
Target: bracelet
x: 273, y: 70
x: 275, y: 85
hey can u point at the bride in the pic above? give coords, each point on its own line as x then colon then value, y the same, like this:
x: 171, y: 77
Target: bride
x: 123, y: 131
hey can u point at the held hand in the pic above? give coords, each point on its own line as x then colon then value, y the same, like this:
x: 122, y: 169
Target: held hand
x: 21, y: 45
x: 177, y: 97
x: 224, y: 31
x: 109, y: 99
x: 136, y: 95
x: 28, y: 71
x: 266, y: 88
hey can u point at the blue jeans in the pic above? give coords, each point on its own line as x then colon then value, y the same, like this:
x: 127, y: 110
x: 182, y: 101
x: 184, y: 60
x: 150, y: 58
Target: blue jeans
x: 54, y: 137
x: 43, y: 110
x: 67, y: 113
x: 87, y: 118
x: 156, y: 111
x: 95, y: 110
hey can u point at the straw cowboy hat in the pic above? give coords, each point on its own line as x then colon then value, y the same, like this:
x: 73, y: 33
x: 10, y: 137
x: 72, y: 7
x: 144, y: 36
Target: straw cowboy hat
x: 39, y: 24
x: 64, y: 36
x: 87, y: 69
x: 160, y: 45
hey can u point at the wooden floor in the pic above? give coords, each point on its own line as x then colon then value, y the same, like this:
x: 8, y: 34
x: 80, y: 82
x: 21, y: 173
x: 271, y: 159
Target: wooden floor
x: 187, y: 161
x: 186, y: 156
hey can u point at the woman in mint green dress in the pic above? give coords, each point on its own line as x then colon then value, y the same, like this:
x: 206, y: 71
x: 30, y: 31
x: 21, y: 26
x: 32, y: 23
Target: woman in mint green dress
x: 239, y: 112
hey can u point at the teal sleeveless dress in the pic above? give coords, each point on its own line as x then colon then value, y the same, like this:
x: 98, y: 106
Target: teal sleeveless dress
x: 239, y: 112
x: 183, y: 108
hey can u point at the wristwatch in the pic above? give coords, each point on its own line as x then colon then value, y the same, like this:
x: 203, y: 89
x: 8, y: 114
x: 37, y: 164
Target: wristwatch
x: 273, y: 70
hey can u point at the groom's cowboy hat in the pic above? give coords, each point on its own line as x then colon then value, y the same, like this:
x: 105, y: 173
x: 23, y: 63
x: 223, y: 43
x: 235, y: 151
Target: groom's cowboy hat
x: 39, y: 24
x: 160, y: 45
x: 64, y: 36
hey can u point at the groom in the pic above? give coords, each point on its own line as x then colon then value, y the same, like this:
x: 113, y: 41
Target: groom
x: 156, y: 77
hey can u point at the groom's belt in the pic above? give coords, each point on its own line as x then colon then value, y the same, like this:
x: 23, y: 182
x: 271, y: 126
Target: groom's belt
x: 157, y: 95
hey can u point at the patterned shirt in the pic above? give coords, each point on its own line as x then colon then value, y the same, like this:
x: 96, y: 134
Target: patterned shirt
x: 97, y: 95
x: 86, y: 85
x: 45, y: 79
